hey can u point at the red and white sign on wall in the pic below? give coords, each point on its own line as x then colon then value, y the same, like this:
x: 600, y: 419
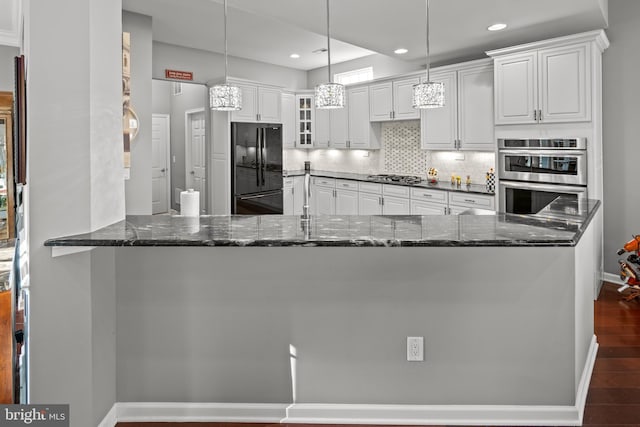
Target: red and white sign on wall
x: 178, y: 75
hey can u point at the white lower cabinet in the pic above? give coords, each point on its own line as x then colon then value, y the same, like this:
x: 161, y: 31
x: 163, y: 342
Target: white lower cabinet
x: 425, y: 201
x: 293, y: 195
x: 419, y: 207
x: 324, y: 202
x: 395, y: 206
x: 459, y: 202
x: 346, y: 202
x: 369, y: 204
x: 345, y: 197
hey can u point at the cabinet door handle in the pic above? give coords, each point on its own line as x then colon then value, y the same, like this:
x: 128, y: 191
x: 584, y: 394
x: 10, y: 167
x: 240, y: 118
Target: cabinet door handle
x: 469, y: 200
x: 428, y: 195
x: 535, y: 115
x: 539, y: 115
x: 445, y: 210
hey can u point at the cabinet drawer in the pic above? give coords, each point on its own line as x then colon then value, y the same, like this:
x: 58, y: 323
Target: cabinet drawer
x: 471, y: 200
x: 370, y: 187
x: 287, y: 182
x: 324, y: 182
x: 396, y: 190
x: 435, y: 196
x: 420, y: 207
x: 346, y: 185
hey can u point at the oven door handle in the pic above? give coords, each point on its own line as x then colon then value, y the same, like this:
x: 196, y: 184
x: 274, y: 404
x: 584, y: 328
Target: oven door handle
x: 544, y: 187
x: 545, y: 153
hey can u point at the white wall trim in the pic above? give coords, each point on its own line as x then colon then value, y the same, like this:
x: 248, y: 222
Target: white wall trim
x: 310, y: 413
x: 612, y: 278
x: 111, y: 419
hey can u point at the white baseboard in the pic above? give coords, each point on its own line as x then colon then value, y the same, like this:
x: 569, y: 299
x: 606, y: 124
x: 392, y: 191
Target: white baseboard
x: 612, y: 278
x: 309, y: 413
x: 111, y: 419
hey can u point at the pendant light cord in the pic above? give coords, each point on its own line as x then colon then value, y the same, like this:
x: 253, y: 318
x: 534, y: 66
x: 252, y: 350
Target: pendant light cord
x: 428, y: 58
x: 328, y: 45
x: 226, y: 63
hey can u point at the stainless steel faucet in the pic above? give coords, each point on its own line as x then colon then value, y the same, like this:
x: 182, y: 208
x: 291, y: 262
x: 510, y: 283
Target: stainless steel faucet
x: 307, y: 191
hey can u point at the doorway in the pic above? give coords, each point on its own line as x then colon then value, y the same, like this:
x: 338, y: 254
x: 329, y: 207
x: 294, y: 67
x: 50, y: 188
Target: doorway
x: 195, y: 154
x: 160, y: 166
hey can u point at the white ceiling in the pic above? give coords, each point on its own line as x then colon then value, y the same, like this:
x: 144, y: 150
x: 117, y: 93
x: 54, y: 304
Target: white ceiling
x: 270, y: 30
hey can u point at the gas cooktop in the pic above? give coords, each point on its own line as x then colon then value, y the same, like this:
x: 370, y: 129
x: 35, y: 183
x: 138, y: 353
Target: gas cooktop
x: 396, y: 179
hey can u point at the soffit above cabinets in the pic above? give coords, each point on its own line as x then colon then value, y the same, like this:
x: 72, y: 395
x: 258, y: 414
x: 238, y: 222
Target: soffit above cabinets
x: 10, y: 22
x: 271, y: 30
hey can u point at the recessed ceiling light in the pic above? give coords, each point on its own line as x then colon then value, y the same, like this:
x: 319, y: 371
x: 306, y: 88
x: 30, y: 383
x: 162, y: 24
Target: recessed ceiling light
x: 497, y: 27
x: 400, y: 51
x: 294, y: 56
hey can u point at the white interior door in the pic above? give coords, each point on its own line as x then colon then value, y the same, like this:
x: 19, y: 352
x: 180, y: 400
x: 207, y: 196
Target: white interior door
x: 196, y: 169
x: 160, y: 164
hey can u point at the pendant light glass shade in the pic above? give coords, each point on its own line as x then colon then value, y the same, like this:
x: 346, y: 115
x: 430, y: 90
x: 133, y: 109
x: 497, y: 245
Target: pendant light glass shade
x: 225, y: 97
x: 428, y: 94
x: 329, y: 95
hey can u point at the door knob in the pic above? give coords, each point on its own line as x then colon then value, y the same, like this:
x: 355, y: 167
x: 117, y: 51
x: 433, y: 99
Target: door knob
x: 163, y: 170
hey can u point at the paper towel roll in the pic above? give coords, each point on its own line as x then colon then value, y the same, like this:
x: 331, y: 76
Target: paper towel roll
x: 190, y: 203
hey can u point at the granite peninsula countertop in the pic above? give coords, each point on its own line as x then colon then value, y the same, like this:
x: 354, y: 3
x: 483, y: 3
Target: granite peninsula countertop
x: 441, y: 185
x: 561, y: 225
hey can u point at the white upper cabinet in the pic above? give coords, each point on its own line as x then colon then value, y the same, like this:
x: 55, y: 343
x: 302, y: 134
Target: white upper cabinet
x: 362, y: 134
x: 439, y: 125
x: 381, y: 102
x: 269, y: 105
x: 259, y: 104
x: 565, y: 84
x: 466, y: 120
x: 322, y: 128
x: 305, y: 120
x: 249, y: 111
x: 475, y: 109
x: 545, y: 85
x: 393, y: 100
x: 339, y: 121
x: 288, y: 120
x: 403, y: 99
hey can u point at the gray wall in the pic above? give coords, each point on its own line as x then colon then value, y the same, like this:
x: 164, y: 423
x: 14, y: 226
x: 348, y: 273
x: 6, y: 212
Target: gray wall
x: 161, y: 97
x: 75, y: 185
x: 138, y: 186
x: 209, y: 66
x: 621, y: 129
x: 7, y: 53
x: 215, y: 325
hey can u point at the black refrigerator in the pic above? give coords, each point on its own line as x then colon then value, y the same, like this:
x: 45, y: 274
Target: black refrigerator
x: 256, y: 159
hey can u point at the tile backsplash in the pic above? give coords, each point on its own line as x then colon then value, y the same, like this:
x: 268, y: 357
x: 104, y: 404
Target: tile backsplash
x: 400, y: 153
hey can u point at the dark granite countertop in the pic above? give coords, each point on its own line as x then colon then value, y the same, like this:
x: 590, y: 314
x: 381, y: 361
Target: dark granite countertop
x: 441, y: 185
x: 561, y: 225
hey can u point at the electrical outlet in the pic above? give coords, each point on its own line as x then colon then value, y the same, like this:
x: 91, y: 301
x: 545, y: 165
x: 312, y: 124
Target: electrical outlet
x: 415, y: 349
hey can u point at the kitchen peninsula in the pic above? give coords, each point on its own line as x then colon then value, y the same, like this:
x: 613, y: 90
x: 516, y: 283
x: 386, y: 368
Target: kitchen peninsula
x: 318, y: 321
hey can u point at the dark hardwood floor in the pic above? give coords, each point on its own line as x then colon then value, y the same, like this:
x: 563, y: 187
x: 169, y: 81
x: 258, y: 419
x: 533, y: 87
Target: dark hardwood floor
x: 614, y: 392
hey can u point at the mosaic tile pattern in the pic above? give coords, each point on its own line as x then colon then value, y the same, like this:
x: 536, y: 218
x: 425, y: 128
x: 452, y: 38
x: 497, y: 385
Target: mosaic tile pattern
x: 401, y: 148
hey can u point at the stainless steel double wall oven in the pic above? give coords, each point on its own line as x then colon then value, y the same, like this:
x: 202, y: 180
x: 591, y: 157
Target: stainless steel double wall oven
x: 534, y: 172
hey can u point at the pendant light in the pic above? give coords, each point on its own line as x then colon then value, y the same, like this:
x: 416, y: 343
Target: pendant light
x: 329, y: 95
x: 225, y: 97
x: 428, y: 94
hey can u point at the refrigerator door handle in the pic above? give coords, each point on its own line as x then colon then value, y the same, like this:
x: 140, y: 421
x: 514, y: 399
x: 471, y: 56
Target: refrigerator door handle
x: 264, y: 152
x: 258, y: 157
